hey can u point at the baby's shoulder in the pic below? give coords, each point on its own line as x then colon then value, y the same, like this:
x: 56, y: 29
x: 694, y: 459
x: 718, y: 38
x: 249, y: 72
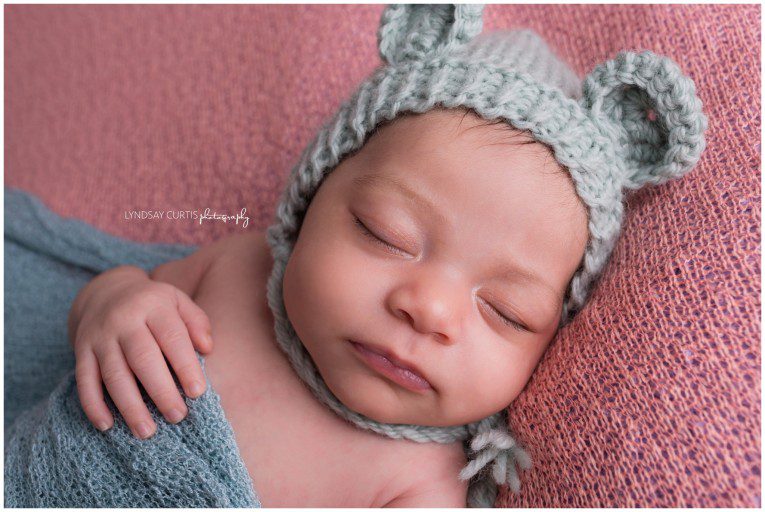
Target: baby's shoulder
x: 238, y: 252
x: 239, y: 245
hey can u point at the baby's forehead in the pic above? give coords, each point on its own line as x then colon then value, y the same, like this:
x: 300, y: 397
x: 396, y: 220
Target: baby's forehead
x: 454, y: 147
x: 460, y: 140
x: 442, y: 126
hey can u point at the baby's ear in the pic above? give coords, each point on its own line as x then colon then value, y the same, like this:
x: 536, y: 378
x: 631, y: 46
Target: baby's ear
x: 652, y: 113
x: 414, y: 32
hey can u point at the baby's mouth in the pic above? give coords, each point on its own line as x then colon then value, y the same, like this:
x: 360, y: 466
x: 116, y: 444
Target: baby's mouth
x: 398, y: 372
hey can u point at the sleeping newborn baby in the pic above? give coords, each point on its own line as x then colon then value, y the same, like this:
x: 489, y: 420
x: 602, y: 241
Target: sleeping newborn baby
x: 432, y: 240
x: 424, y: 298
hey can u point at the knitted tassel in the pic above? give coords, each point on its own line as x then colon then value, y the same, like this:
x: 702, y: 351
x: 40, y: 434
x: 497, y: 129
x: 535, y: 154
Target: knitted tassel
x: 494, y: 456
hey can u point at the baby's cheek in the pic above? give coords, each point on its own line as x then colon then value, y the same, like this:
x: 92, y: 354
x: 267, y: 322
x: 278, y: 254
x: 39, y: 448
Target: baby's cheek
x: 328, y: 286
x: 511, y: 372
x: 348, y: 283
x: 490, y: 383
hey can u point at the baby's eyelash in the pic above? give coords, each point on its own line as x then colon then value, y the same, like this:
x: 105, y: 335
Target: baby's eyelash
x: 374, y: 238
x: 507, y: 321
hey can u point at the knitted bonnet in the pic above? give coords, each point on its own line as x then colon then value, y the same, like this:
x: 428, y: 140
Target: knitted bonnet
x: 635, y: 120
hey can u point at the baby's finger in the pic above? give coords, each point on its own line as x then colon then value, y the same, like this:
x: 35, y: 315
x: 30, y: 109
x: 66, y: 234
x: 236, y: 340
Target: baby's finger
x: 173, y: 338
x: 197, y: 323
x: 124, y: 392
x: 91, y: 395
x: 147, y: 362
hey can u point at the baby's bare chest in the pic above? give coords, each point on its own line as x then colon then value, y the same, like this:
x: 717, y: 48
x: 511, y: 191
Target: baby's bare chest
x: 298, y: 452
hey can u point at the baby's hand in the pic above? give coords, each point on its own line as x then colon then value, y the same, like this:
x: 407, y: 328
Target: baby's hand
x: 120, y: 328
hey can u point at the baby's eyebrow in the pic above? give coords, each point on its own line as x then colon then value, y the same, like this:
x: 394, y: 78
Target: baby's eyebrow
x: 375, y: 180
x: 508, y: 271
x: 512, y: 271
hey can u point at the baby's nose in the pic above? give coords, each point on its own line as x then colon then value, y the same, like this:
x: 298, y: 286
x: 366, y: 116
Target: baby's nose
x: 429, y: 323
x: 432, y: 303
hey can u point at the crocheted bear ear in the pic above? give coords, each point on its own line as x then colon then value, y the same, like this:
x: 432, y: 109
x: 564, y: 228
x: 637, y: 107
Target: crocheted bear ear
x: 651, y: 111
x: 414, y: 32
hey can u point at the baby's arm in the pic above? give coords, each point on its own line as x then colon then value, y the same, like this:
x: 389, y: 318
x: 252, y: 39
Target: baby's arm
x: 122, y: 323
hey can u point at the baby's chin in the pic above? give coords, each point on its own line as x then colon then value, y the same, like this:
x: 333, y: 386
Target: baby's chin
x: 383, y: 401
x: 372, y: 395
x: 368, y: 396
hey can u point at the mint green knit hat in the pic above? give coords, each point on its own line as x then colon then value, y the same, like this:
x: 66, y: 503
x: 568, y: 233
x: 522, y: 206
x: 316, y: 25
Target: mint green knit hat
x: 634, y: 121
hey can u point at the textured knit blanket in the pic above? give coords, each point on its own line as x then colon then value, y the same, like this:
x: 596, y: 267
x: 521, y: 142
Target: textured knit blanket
x: 54, y: 457
x: 652, y: 399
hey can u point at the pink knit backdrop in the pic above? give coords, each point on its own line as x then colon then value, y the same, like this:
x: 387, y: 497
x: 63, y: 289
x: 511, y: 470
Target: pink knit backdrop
x: 650, y: 398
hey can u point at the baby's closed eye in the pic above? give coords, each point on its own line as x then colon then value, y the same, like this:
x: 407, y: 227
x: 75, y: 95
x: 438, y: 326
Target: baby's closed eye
x: 365, y: 231
x: 373, y: 237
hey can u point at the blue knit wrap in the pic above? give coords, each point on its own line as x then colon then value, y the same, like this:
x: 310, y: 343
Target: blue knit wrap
x: 54, y: 456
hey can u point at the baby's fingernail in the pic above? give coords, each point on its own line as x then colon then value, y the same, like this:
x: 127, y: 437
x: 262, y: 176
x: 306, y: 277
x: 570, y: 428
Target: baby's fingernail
x: 103, y: 425
x: 197, y: 388
x: 144, y: 430
x: 175, y: 415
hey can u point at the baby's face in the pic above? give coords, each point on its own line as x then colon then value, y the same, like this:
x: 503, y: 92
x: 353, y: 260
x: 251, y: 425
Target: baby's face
x: 446, y: 266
